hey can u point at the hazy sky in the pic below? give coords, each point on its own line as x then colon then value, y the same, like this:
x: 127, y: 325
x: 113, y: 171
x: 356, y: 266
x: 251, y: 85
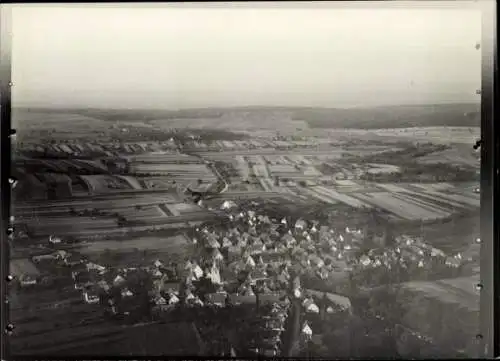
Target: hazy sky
x: 161, y: 56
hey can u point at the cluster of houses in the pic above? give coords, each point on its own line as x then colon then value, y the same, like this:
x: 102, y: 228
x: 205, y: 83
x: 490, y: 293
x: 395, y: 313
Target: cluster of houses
x: 254, y: 255
x: 266, y: 336
x: 115, y: 288
x: 254, y: 259
x: 416, y: 258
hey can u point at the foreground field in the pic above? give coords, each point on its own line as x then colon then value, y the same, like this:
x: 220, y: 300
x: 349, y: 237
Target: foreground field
x: 164, y: 245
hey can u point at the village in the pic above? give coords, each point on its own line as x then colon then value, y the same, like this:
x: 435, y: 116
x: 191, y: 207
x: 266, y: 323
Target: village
x: 248, y: 267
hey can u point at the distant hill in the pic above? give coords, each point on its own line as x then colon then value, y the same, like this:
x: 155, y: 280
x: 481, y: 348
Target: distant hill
x: 404, y: 116
x: 407, y: 116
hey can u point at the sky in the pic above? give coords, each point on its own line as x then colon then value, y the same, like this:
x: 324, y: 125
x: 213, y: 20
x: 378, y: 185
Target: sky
x: 217, y: 55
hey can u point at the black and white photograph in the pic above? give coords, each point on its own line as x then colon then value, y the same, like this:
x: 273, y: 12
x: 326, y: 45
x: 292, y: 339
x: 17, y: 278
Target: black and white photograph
x: 246, y: 180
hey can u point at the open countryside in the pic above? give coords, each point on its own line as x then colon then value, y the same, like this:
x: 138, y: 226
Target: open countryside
x: 234, y: 190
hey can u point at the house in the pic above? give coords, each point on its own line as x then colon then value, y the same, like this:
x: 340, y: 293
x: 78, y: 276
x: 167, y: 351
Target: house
x: 316, y: 261
x: 91, y: 295
x: 94, y: 266
x: 194, y: 301
x: 213, y: 275
x: 245, y: 289
x: 245, y: 237
x: 173, y: 299
x: 104, y: 285
x: 158, y: 264
x: 270, y: 353
x: 234, y: 232
x: 249, y: 262
x: 257, y: 275
x: 162, y: 285
x: 119, y: 281
x: 242, y: 300
x: 269, y: 298
x: 472, y: 253
x: 453, y: 262
x: 365, y: 260
x: 82, y: 280
x: 335, y: 301
x: 156, y: 273
x: 306, y: 331
x: 226, y: 243
x: 310, y: 306
x: 159, y: 301
x: 300, y: 225
x: 61, y: 255
x: 54, y: 240
x: 234, y: 251
x: 264, y: 219
x: 74, y: 260
x: 256, y: 249
x: 197, y: 272
x: 212, y: 242
x: 252, y: 230
x: 282, y: 279
x: 217, y: 256
x: 188, y: 265
x: 274, y: 324
x: 435, y: 252
x: 288, y: 240
x: 125, y: 292
x: 217, y: 299
x: 323, y: 273
x: 44, y: 257
x: 228, y: 205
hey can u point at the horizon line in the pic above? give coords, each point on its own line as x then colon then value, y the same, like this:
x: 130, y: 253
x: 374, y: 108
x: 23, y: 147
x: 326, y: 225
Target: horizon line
x: 61, y: 107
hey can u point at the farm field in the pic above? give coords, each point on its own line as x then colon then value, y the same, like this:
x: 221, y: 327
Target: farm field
x: 61, y: 165
x: 455, y: 156
x: 340, y: 197
x: 447, y: 135
x: 113, y: 201
x: 443, y: 193
x: 108, y: 226
x: 242, y: 166
x: 183, y: 208
x: 402, y: 207
x: 157, y: 183
x: 163, y: 157
x: 132, y: 181
x: 178, y: 172
x: 312, y: 192
x: 163, y: 244
x: 106, y: 183
x: 405, y: 201
x: 375, y: 168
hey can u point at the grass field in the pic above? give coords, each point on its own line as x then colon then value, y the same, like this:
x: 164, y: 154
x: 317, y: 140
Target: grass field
x: 167, y: 244
x: 106, y: 183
